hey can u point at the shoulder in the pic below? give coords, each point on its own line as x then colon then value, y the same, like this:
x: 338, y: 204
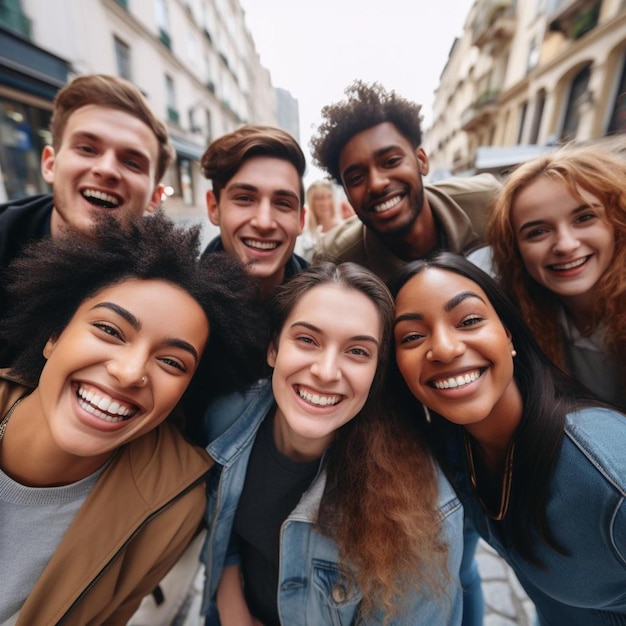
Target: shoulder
x: 161, y: 463
x: 460, y: 188
x: 231, y: 415
x: 598, y: 434
x: 343, y: 243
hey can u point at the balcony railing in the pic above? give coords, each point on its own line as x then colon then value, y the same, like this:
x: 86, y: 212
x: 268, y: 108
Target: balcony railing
x: 481, y: 111
x: 574, y: 18
x: 495, y: 22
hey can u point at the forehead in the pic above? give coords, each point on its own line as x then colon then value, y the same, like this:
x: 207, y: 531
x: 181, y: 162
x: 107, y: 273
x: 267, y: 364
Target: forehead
x: 545, y: 195
x: 337, y: 308
x: 99, y: 120
x: 370, y: 141
x: 433, y: 288
x: 268, y: 174
x: 142, y: 296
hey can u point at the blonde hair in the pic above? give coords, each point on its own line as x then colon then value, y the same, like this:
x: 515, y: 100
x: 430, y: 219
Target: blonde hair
x: 311, y: 219
x: 601, y: 173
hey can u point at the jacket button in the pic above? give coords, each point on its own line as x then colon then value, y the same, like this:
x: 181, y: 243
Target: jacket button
x: 339, y: 594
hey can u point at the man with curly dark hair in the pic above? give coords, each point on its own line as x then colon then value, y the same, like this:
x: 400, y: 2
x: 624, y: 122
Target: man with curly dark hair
x: 370, y: 144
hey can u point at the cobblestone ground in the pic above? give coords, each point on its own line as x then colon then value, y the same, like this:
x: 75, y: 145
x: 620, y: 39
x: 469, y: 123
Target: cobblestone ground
x: 506, y: 603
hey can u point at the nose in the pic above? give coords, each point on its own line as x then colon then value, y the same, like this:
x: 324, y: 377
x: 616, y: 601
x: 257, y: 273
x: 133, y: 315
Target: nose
x: 326, y: 366
x: 445, y: 346
x: 379, y: 180
x: 565, y: 241
x: 128, y: 368
x: 106, y: 165
x: 263, y: 217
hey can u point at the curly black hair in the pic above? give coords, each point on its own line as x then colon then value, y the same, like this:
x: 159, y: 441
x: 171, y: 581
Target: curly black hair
x: 366, y: 106
x: 49, y: 282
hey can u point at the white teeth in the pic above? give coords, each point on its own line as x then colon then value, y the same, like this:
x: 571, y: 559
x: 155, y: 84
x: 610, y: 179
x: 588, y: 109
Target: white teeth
x: 457, y: 381
x: 569, y: 266
x: 317, y: 399
x: 103, y: 406
x: 388, y: 204
x: 100, y: 195
x: 261, y: 245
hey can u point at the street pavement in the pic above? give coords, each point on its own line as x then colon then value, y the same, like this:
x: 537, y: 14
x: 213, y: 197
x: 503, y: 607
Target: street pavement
x: 506, y: 603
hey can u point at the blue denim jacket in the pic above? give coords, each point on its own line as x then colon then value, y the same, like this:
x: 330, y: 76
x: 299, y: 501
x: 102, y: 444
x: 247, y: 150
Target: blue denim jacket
x: 312, y: 591
x: 587, y: 515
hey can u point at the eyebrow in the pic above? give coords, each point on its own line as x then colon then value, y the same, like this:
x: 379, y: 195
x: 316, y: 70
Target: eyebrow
x: 315, y: 329
x: 447, y: 307
x: 578, y: 209
x: 277, y: 192
x: 136, y: 324
x: 85, y: 134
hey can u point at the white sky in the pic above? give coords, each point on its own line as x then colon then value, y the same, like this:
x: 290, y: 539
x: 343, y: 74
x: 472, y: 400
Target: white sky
x: 316, y: 48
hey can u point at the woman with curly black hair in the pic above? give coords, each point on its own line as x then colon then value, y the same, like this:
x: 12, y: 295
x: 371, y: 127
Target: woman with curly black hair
x: 99, y: 493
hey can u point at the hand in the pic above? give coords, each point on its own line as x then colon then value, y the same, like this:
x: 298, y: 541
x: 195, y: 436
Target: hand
x: 231, y: 603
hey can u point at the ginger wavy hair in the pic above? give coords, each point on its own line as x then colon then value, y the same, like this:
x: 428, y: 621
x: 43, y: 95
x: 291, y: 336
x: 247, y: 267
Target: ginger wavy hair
x: 601, y: 173
x: 380, y: 504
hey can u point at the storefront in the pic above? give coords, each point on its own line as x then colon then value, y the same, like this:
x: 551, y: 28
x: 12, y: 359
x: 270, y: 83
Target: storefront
x: 29, y: 79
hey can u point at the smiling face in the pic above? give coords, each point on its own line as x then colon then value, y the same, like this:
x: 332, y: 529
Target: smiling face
x: 566, y: 244
x: 382, y: 176
x: 259, y: 215
x: 96, y: 169
x: 324, y: 365
x: 453, y: 351
x: 119, y: 367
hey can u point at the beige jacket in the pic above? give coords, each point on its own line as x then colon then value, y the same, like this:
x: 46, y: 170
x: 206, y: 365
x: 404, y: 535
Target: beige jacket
x: 460, y: 207
x: 134, y: 525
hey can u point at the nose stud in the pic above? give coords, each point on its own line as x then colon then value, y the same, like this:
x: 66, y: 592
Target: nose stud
x: 143, y: 380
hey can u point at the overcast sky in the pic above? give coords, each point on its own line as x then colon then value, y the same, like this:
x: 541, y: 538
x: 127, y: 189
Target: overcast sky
x: 316, y: 48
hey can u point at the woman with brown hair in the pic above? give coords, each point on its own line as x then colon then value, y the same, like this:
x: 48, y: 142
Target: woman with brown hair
x: 558, y: 237
x: 324, y: 508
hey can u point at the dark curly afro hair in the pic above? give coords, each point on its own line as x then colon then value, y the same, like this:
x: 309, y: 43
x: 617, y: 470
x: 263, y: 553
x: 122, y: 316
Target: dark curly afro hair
x: 49, y: 282
x: 366, y: 106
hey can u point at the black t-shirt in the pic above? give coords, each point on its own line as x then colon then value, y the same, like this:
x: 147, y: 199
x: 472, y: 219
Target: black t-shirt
x: 273, y: 487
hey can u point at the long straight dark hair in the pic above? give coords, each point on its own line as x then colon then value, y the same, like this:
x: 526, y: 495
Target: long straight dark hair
x: 548, y: 395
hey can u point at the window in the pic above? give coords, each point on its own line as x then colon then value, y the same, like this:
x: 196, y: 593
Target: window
x: 172, y: 111
x: 577, y: 93
x: 537, y: 117
x: 162, y: 20
x: 618, y: 117
x: 522, y: 122
x: 122, y: 57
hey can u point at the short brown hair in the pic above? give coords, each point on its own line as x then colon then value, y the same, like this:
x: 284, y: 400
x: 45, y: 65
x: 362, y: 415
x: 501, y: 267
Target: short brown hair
x: 224, y: 156
x: 114, y: 92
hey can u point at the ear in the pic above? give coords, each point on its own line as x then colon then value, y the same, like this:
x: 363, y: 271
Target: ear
x: 271, y: 355
x: 48, y: 349
x: 47, y: 164
x: 212, y: 209
x: 155, y: 201
x: 422, y: 161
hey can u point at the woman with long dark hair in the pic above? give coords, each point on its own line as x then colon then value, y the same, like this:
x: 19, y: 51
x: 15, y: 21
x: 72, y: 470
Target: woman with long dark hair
x: 537, y: 462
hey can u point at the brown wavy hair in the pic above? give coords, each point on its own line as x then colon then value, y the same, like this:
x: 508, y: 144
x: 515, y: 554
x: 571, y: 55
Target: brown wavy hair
x: 380, y: 503
x: 224, y: 156
x: 601, y: 173
x: 114, y: 92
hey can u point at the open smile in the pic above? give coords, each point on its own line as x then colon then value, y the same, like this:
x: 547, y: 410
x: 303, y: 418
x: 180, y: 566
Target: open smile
x: 101, y: 199
x: 458, y: 381
x: 318, y: 399
x: 104, y: 407
x: 387, y: 204
x: 258, y: 244
x: 562, y: 267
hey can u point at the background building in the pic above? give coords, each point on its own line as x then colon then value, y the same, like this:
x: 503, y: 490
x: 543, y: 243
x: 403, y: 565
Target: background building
x: 525, y: 77
x: 194, y: 60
